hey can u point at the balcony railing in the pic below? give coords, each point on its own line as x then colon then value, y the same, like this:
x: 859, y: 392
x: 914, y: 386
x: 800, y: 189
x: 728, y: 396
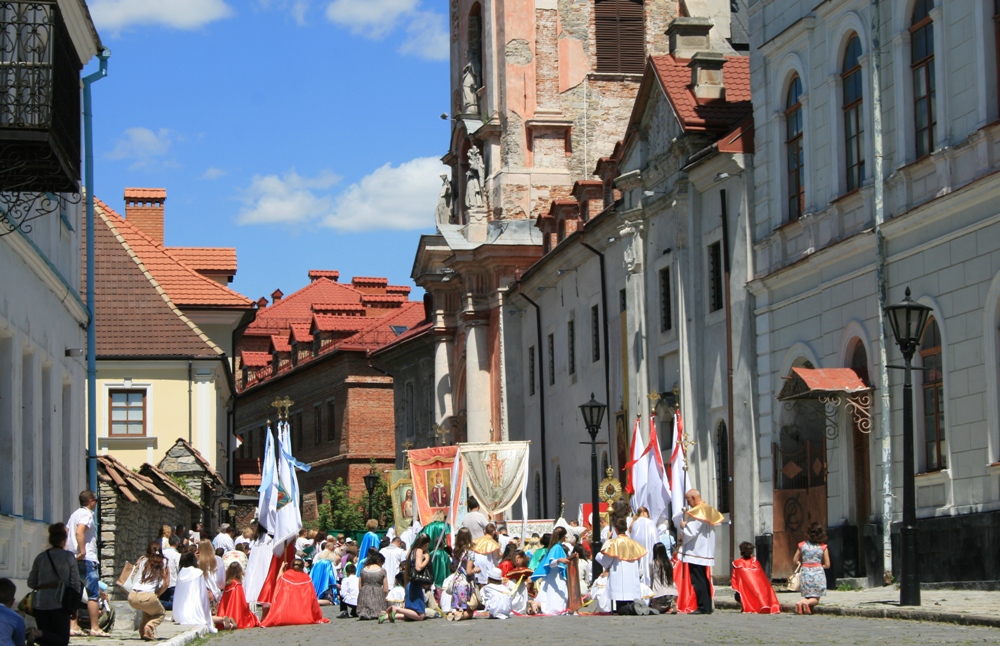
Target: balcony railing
x: 39, y: 100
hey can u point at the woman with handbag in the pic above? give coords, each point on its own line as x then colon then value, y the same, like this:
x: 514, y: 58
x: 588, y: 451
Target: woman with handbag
x: 419, y: 577
x: 814, y: 558
x: 55, y: 579
x: 152, y: 578
x: 463, y: 586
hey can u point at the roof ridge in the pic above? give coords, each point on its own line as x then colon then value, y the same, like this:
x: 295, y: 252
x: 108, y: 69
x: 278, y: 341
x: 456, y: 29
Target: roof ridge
x: 162, y: 248
x: 152, y: 281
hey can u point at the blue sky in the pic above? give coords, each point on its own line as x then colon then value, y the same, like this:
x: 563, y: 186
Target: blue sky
x: 305, y: 133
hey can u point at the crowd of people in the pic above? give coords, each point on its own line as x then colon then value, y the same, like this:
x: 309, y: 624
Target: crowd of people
x: 236, y: 581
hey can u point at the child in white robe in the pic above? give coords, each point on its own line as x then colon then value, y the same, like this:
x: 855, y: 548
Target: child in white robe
x: 496, y: 596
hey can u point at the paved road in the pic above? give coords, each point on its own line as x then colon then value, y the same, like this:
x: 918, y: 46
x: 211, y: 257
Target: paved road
x: 723, y: 627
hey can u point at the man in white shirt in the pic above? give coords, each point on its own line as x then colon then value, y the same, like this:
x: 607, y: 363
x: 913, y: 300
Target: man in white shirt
x: 223, y: 539
x: 475, y: 521
x: 82, y: 541
x: 173, y: 558
x: 698, y: 547
x: 394, y: 555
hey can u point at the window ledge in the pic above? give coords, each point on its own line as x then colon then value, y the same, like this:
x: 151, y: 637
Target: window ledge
x: 933, y: 476
x: 993, y: 468
x: 126, y: 442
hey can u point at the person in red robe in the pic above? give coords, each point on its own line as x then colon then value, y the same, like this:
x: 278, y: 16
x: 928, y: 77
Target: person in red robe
x: 753, y: 590
x: 234, y: 600
x: 294, y: 602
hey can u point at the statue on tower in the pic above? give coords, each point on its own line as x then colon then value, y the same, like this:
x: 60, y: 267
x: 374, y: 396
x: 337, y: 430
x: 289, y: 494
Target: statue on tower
x: 445, y: 213
x: 470, y: 89
x: 474, y: 177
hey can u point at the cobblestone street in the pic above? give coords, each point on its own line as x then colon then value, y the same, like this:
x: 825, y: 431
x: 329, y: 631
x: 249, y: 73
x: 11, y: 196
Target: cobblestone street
x: 723, y: 627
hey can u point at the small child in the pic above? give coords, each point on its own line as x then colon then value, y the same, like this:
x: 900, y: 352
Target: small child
x: 599, y: 593
x: 496, y: 596
x: 397, y: 595
x: 349, y: 589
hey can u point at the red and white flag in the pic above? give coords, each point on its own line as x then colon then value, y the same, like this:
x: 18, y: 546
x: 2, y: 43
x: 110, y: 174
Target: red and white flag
x: 658, y: 494
x: 678, y: 476
x: 635, y: 475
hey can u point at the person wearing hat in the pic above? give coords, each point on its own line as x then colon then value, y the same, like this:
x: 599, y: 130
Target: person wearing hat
x: 496, y: 595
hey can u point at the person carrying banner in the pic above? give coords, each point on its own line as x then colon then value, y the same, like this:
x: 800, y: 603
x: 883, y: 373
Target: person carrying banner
x: 697, y: 555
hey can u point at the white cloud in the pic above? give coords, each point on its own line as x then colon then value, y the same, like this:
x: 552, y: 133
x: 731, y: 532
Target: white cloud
x: 392, y: 197
x: 373, y: 18
x: 426, y: 31
x: 289, y: 198
x: 296, y: 8
x: 143, y: 147
x: 115, y: 15
x: 427, y: 37
x: 213, y: 173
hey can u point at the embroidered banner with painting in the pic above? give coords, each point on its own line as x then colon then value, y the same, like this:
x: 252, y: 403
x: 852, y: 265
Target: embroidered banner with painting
x: 496, y: 473
x: 401, y: 491
x: 433, y: 478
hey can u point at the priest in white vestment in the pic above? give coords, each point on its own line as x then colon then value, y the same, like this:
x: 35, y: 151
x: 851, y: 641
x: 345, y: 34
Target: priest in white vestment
x: 620, y: 557
x: 698, y: 548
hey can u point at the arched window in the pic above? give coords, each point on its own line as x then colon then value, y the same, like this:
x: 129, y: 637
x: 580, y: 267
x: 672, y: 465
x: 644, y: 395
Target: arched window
x: 922, y: 67
x: 854, y: 124
x: 722, y: 468
x: 620, y: 36
x: 793, y: 150
x: 859, y: 363
x: 934, y: 440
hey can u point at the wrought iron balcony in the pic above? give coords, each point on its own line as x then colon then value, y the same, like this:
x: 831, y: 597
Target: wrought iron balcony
x: 39, y: 100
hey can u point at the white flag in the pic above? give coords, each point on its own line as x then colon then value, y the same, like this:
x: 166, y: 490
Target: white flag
x: 658, y: 494
x: 678, y: 476
x: 288, y: 517
x: 637, y: 471
x: 268, y: 485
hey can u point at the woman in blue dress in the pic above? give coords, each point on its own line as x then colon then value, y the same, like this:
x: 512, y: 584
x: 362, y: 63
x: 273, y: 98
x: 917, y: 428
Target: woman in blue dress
x: 414, y: 608
x: 814, y: 558
x: 550, y: 576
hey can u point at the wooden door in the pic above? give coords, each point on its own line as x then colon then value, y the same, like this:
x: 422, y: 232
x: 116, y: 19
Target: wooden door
x: 799, y: 495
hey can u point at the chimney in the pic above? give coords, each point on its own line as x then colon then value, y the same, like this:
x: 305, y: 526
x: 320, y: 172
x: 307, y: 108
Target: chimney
x: 688, y: 36
x: 706, y: 76
x: 144, y: 210
x: 262, y: 302
x: 276, y: 296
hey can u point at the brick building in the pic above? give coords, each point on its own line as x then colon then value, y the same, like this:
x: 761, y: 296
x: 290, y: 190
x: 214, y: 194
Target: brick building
x: 313, y: 346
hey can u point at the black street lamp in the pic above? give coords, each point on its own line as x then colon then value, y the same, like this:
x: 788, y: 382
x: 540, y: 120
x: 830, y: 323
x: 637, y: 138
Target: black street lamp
x: 908, y: 319
x: 593, y: 415
x: 371, y: 479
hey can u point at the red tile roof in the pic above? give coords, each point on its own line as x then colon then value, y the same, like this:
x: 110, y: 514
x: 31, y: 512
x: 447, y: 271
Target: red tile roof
x: 298, y: 307
x: 674, y: 76
x: 185, y: 286
x: 333, y: 323
x: 207, y: 260
x: 134, y: 314
x: 740, y: 139
x: 300, y: 333
x: 332, y: 274
x: 254, y: 359
x: 383, y: 298
x: 145, y: 193
x: 380, y: 331
x: 337, y: 308
x: 418, y: 330
x: 280, y: 343
x: 397, y: 289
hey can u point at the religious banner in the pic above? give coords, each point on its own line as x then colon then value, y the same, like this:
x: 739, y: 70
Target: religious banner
x: 401, y: 491
x: 432, y: 474
x: 496, y: 472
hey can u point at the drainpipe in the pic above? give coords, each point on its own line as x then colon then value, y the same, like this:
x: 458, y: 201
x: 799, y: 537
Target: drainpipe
x: 190, y: 402
x: 88, y: 145
x: 541, y: 403
x: 727, y: 273
x: 882, y: 289
x: 607, y: 359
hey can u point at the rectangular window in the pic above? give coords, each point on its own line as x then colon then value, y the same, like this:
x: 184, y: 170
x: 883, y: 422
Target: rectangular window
x: 715, y: 300
x: 331, y: 421
x: 922, y: 68
x: 595, y: 332
x: 622, y: 301
x: 666, y: 313
x: 571, y: 346
x: 317, y: 424
x: 552, y: 360
x: 128, y: 413
x: 531, y: 370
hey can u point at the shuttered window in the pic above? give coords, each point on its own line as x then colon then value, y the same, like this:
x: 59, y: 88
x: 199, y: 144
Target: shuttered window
x: 620, y: 36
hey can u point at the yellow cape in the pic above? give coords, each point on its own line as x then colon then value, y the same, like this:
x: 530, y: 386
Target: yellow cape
x: 704, y: 512
x: 624, y: 548
x: 485, y: 545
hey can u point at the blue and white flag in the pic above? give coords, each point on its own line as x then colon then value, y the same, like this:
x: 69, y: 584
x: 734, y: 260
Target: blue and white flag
x: 267, y: 502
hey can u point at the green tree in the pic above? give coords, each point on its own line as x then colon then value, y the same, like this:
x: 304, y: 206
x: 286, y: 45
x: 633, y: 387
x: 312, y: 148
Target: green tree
x: 341, y: 511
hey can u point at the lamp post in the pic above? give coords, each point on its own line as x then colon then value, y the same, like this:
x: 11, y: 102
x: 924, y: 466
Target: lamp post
x: 908, y: 319
x: 593, y: 415
x: 371, y: 479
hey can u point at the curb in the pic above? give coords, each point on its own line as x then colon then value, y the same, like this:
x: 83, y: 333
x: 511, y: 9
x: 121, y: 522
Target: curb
x: 885, y: 613
x: 186, y: 638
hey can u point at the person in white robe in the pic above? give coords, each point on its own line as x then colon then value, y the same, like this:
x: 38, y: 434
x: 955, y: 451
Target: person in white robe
x: 643, y: 531
x: 620, y: 557
x: 698, y: 547
x: 496, y: 596
x: 599, y: 593
x: 192, y: 605
x: 394, y: 555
